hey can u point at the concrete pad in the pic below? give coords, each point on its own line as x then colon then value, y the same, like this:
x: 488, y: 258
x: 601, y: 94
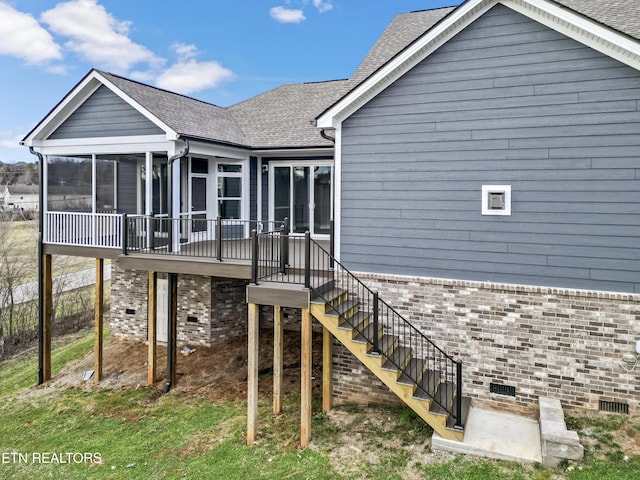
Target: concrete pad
x: 494, y: 434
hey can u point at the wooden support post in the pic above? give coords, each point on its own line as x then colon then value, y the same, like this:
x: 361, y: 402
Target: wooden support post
x: 278, y: 317
x: 47, y: 281
x: 98, y: 321
x: 327, y: 359
x: 305, y: 381
x: 151, y: 328
x: 252, y: 374
x: 172, y: 333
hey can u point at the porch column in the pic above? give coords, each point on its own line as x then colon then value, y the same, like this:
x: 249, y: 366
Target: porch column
x: 148, y: 198
x: 278, y: 316
x: 252, y: 374
x: 151, y: 328
x: 327, y: 359
x: 305, y: 381
x: 47, y: 296
x: 98, y: 321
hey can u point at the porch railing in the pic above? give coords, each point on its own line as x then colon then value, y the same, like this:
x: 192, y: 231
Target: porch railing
x: 83, y: 229
x: 437, y: 375
x: 222, y: 239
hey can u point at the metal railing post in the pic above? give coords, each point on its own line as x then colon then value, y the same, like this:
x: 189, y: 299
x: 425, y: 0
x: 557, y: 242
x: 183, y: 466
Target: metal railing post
x: 376, y: 326
x: 307, y: 259
x: 332, y: 244
x: 125, y: 233
x: 458, y: 425
x: 219, y: 238
x: 254, y: 256
x: 284, y: 250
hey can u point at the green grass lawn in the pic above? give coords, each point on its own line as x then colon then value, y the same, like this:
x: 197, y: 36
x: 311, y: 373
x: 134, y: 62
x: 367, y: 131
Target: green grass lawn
x: 141, y: 434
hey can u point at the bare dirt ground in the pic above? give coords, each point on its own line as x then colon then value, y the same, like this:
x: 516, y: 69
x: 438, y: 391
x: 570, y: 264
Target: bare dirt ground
x: 216, y: 373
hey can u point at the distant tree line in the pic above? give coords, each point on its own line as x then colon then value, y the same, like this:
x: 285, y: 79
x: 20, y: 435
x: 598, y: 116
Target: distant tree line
x: 18, y: 173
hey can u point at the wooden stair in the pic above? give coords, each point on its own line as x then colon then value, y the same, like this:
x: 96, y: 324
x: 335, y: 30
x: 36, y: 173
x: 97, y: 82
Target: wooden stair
x: 341, y: 315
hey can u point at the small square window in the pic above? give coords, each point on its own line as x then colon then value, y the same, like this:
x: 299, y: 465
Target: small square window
x: 496, y: 200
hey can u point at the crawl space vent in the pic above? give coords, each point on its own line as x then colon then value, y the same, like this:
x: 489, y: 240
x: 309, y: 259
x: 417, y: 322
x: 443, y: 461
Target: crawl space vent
x: 507, y: 390
x: 613, y: 407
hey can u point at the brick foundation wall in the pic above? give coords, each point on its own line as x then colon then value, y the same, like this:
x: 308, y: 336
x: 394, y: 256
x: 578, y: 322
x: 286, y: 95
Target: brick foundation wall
x: 559, y: 343
x: 354, y: 383
x: 129, y: 289
x: 229, y: 313
x: 218, y: 307
x: 194, y: 307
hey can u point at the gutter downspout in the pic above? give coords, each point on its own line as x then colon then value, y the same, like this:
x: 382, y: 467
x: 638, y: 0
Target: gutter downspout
x: 172, y: 278
x: 40, y: 265
x: 323, y: 134
x: 170, y: 163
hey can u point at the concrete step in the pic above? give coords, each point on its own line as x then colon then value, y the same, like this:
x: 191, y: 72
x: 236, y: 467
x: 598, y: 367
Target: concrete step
x: 495, y: 434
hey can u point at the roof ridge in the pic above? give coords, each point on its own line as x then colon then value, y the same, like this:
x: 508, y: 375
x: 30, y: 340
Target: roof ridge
x: 102, y: 72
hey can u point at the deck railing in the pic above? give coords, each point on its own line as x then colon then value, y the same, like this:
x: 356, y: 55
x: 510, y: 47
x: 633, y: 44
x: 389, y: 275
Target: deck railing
x: 83, y: 229
x: 219, y: 238
x: 282, y: 259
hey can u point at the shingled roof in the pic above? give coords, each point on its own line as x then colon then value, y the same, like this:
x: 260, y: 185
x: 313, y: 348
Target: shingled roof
x: 281, y: 118
x: 620, y: 15
x: 403, y: 30
x: 185, y: 115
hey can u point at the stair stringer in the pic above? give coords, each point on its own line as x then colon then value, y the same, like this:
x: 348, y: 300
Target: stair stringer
x: 389, y: 378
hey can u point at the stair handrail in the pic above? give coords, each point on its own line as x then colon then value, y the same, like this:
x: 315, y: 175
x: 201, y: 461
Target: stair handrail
x: 374, y: 301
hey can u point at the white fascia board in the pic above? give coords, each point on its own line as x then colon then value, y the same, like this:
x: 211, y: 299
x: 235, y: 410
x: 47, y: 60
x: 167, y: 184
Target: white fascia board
x: 213, y: 150
x: 294, y: 153
x: 581, y: 29
x: 104, y: 146
x: 573, y: 25
x: 171, y: 134
x: 61, y: 112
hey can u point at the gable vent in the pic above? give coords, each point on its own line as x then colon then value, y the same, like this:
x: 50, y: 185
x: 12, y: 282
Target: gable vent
x: 502, y: 389
x: 613, y: 407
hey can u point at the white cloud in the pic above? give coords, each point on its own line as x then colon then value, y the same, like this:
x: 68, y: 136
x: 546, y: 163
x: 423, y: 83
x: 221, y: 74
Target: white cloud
x: 97, y: 36
x: 10, y: 139
x: 57, y: 69
x: 23, y: 37
x: 185, y: 50
x: 189, y: 76
x: 323, y: 6
x: 287, y: 15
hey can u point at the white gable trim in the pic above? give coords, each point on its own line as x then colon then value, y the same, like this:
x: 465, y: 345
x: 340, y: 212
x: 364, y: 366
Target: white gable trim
x: 572, y: 25
x: 171, y: 134
x: 76, y: 98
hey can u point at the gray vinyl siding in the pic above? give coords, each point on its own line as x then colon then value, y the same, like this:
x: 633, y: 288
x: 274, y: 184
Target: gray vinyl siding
x: 104, y: 114
x: 507, y: 101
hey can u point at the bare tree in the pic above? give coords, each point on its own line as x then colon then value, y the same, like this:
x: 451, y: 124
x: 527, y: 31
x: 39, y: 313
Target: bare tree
x: 16, y: 264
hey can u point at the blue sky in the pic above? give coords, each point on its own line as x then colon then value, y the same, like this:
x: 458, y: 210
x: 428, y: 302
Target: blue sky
x: 220, y: 51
